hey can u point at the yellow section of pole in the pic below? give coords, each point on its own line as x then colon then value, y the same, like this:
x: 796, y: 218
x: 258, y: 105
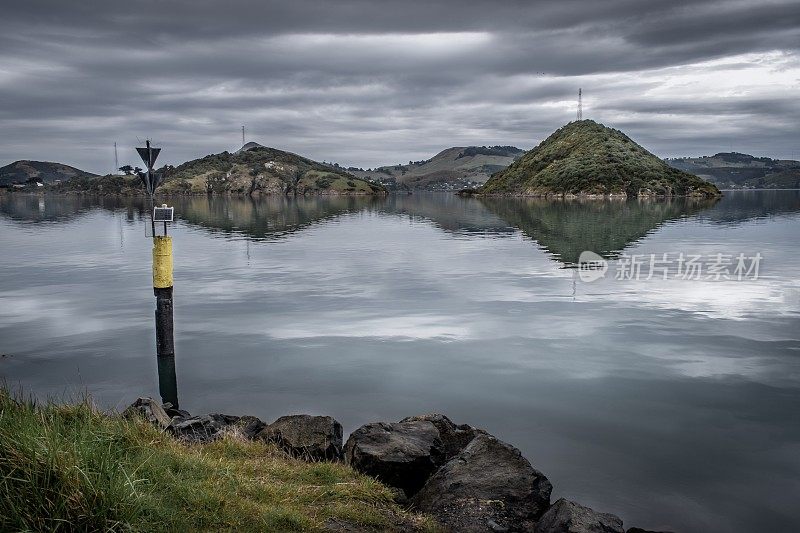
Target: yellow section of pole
x: 162, y: 262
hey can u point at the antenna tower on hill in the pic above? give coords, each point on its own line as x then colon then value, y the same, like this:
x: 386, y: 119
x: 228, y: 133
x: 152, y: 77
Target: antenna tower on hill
x: 580, y: 104
x: 242, y: 135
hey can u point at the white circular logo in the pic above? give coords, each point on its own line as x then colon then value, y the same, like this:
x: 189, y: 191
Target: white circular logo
x: 591, y: 266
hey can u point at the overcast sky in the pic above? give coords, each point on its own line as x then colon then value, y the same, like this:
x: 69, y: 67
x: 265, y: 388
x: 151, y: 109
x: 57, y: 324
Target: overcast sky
x: 373, y: 82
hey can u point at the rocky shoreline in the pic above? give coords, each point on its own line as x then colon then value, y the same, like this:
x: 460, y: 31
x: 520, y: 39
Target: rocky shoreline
x: 554, y: 195
x: 465, y: 478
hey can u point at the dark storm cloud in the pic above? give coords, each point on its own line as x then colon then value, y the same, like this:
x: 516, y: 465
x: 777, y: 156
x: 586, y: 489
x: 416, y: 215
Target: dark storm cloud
x: 366, y: 83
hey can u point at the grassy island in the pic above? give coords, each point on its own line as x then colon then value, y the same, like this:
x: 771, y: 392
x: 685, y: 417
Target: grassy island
x: 585, y: 158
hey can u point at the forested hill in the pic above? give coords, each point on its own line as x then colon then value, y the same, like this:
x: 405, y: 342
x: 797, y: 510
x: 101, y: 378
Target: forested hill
x: 585, y: 158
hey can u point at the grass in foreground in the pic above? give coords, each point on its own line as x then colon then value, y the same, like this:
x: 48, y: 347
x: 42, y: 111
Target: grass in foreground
x: 71, y: 467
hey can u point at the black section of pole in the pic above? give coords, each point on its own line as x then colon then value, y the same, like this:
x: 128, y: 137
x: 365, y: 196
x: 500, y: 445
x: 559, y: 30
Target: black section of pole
x: 152, y: 218
x: 165, y: 343
x: 167, y: 380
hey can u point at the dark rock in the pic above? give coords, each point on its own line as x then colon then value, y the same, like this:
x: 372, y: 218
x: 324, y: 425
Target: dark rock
x: 315, y: 438
x: 640, y: 530
x: 150, y: 410
x: 200, y: 429
x: 566, y: 516
x: 400, y: 454
x: 248, y: 427
x: 454, y: 437
x: 190, y: 428
x: 173, y: 412
x: 399, y: 497
x: 489, y: 486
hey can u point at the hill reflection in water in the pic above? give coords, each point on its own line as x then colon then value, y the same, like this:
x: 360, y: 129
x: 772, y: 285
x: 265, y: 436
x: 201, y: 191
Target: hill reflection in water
x: 562, y: 228
x: 565, y: 228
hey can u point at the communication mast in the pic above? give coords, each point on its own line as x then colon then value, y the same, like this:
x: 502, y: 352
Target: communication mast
x: 580, y: 104
x: 116, y: 159
x: 242, y: 135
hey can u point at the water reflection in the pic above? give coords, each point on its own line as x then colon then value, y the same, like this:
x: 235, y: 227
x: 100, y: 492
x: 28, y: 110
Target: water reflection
x: 32, y: 208
x: 167, y: 380
x: 451, y: 213
x: 266, y: 218
x: 27, y: 208
x: 743, y: 206
x: 563, y: 228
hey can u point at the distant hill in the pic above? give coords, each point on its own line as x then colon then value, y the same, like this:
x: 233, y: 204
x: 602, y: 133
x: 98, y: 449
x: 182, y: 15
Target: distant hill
x: 257, y: 169
x: 42, y: 171
x: 735, y: 170
x: 450, y: 169
x: 585, y: 158
x: 253, y: 170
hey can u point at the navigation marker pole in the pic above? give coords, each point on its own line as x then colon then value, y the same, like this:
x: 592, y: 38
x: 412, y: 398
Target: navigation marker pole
x: 162, y: 279
x: 162, y: 289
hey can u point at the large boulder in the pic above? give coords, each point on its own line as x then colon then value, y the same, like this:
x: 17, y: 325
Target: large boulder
x: 314, y: 438
x: 454, y: 437
x: 400, y: 454
x: 566, y: 516
x: 488, y: 486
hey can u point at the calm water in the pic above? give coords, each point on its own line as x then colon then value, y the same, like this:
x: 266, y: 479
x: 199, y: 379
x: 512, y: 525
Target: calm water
x: 672, y: 403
